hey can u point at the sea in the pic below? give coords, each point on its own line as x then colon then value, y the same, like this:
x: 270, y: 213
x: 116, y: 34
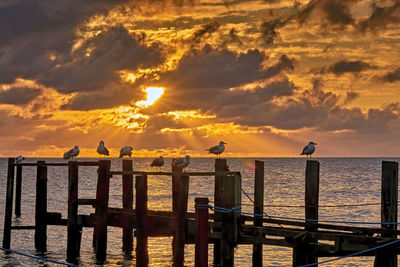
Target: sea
x: 343, y: 181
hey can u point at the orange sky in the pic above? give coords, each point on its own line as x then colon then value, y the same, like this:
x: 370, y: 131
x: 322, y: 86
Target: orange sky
x: 174, y: 77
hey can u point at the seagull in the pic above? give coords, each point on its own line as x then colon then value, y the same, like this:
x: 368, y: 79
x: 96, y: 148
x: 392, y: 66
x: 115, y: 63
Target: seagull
x: 217, y: 150
x: 158, y: 162
x: 181, y: 163
x: 125, y: 151
x: 102, y: 150
x: 19, y: 159
x: 72, y: 153
x: 309, y: 149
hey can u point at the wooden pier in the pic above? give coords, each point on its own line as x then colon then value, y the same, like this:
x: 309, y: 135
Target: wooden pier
x: 225, y: 225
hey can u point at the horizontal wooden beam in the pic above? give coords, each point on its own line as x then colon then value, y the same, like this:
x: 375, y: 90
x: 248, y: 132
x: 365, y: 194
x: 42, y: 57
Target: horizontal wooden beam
x: 353, y: 229
x: 170, y: 173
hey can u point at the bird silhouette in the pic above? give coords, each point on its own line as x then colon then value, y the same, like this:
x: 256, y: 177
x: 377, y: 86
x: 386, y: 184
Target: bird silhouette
x: 126, y: 151
x: 19, y: 159
x: 72, y: 153
x: 158, y: 162
x: 309, y: 149
x: 181, y: 163
x: 102, y: 150
x: 217, y: 150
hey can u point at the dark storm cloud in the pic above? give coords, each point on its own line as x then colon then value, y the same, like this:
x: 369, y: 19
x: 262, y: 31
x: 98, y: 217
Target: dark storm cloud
x: 112, y: 51
x: 32, y: 30
x: 350, y: 97
x: 18, y: 95
x: 336, y: 13
x: 108, y: 98
x: 381, y: 16
x: 206, y: 29
x: 204, y: 77
x: 344, y: 66
x: 391, y: 77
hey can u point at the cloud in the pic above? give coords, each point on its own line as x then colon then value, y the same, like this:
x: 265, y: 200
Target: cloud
x: 205, y: 29
x: 109, y: 52
x: 381, y: 16
x: 391, y: 77
x: 203, y: 77
x: 343, y: 66
x: 18, y: 95
x: 32, y: 31
x: 350, y: 97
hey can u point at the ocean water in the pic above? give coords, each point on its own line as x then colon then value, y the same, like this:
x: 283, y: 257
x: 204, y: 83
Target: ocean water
x: 342, y: 181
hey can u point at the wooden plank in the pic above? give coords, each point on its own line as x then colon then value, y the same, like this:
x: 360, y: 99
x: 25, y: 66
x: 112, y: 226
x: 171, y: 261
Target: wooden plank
x: 170, y: 173
x: 220, y: 167
x: 258, y: 209
x: 127, y: 203
x: 102, y: 197
x: 41, y: 207
x: 231, y: 198
x: 180, y: 194
x: 302, y: 252
x: 73, y: 241
x: 87, y: 201
x: 18, y: 187
x: 9, y: 204
x: 89, y: 163
x: 389, y: 199
x: 142, y: 256
x: 202, y: 230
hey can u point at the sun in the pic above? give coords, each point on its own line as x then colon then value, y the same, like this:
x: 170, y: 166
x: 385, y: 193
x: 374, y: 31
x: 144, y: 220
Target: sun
x: 153, y: 94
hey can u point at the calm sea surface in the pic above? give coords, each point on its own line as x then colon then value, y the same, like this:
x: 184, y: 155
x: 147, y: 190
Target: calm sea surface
x: 342, y: 181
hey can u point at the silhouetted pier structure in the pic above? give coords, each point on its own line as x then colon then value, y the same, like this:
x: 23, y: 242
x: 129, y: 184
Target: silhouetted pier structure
x: 226, y: 227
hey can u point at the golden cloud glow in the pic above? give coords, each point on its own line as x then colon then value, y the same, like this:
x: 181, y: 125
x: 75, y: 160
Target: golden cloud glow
x: 189, y: 114
x: 153, y: 94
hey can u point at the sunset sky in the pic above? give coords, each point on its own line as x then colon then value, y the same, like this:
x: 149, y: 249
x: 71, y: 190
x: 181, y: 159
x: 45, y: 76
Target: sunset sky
x: 174, y: 77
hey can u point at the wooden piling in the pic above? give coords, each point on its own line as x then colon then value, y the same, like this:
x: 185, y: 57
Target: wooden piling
x: 41, y: 207
x: 231, y: 192
x: 201, y: 238
x: 220, y: 166
x: 9, y: 204
x: 102, y: 196
x: 258, y: 208
x: 73, y: 229
x: 18, y: 187
x: 142, y: 257
x: 180, y: 194
x: 127, y: 203
x: 302, y: 252
x: 389, y: 198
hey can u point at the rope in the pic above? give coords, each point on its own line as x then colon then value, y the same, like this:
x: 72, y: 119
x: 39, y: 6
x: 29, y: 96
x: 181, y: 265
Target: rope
x: 255, y: 203
x: 38, y: 258
x: 353, y: 254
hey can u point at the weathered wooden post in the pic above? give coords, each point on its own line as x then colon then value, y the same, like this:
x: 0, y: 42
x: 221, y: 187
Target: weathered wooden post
x: 41, y: 207
x: 389, y: 198
x: 201, y: 238
x: 18, y: 186
x: 127, y: 203
x: 9, y: 204
x: 180, y: 193
x: 302, y: 253
x: 142, y: 257
x: 102, y: 196
x: 231, y: 198
x: 258, y: 208
x: 220, y: 166
x: 73, y: 230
